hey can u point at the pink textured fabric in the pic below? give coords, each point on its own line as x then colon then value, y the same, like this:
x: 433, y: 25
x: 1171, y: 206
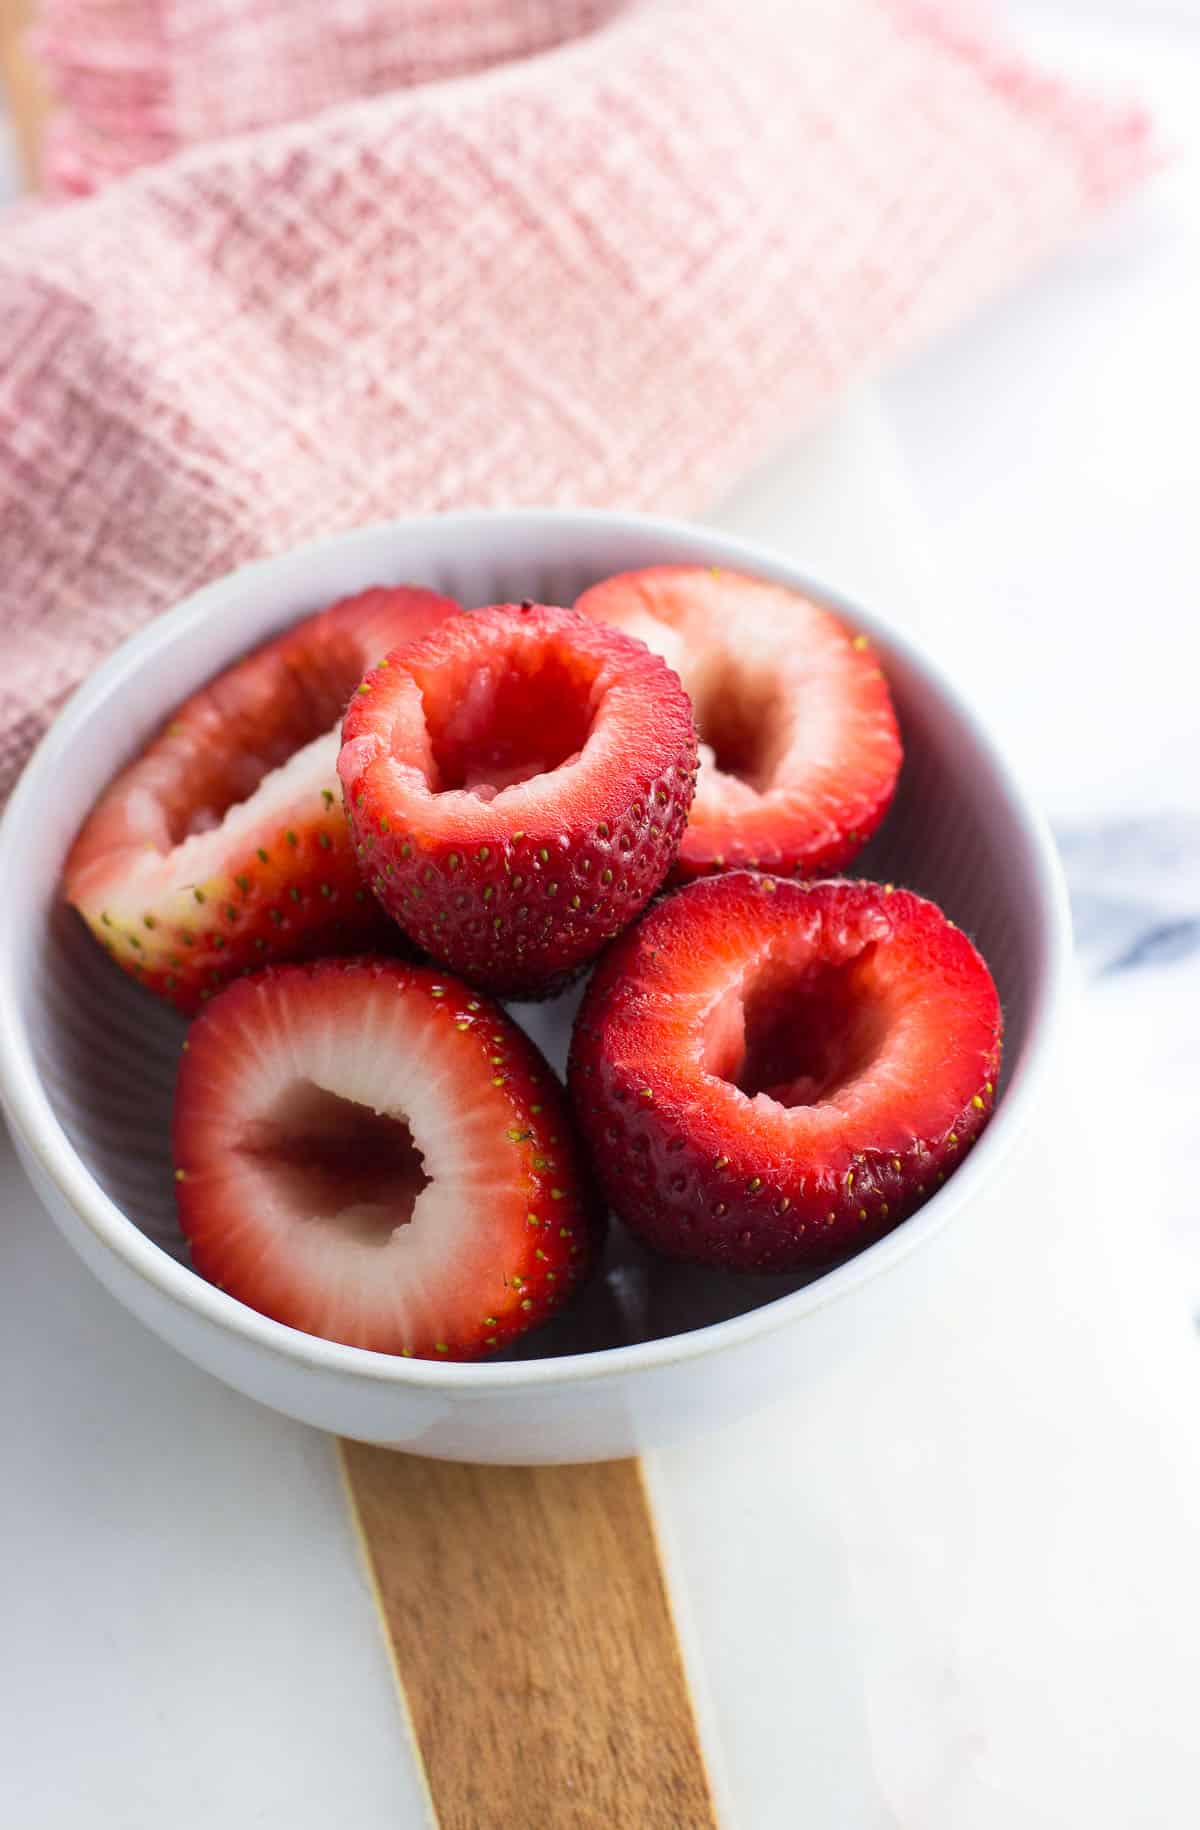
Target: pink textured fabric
x: 137, y: 80
x: 507, y: 251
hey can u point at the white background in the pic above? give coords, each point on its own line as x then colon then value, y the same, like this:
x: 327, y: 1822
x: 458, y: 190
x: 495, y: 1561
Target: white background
x: 966, y: 1596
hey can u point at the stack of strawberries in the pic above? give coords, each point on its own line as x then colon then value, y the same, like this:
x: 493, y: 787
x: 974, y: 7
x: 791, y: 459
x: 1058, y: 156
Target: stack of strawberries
x: 341, y: 862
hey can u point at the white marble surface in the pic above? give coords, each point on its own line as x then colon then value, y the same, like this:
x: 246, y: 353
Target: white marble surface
x: 957, y: 1587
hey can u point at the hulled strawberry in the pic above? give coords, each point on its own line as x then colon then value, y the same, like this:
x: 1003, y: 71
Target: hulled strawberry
x: 799, y: 750
x: 772, y: 1074
x: 518, y: 781
x: 369, y: 1151
x: 224, y: 844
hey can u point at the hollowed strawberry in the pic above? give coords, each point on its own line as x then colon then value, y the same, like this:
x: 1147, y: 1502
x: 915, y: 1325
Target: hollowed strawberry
x: 224, y: 844
x: 517, y: 782
x: 799, y: 750
x: 369, y: 1151
x: 772, y: 1074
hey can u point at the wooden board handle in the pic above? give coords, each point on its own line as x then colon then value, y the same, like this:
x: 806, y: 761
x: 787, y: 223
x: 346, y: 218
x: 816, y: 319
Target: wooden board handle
x: 21, y: 88
x: 534, y: 1643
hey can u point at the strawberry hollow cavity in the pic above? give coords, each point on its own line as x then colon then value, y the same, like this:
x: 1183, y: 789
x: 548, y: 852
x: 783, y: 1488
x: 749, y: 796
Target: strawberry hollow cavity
x: 523, y: 710
x: 742, y: 721
x: 798, y: 1034
x: 337, y: 1162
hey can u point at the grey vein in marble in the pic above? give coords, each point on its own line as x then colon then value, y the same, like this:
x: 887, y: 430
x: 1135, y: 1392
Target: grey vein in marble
x: 1135, y: 891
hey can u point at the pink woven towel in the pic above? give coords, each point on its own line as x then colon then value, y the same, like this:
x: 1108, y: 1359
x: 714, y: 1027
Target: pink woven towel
x: 502, y: 251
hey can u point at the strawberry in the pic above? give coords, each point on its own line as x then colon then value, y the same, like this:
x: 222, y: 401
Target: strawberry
x: 369, y: 1151
x: 799, y: 750
x: 224, y: 845
x: 517, y: 782
x: 772, y: 1074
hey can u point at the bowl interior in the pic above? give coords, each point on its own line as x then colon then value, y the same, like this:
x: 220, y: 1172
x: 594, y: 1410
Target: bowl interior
x: 107, y: 1053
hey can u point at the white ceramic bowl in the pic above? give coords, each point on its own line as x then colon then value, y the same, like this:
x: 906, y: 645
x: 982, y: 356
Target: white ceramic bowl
x: 87, y: 1061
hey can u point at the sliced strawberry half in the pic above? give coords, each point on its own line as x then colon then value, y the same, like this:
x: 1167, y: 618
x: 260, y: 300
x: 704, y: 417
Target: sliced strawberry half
x: 369, y: 1151
x: 799, y: 750
x: 518, y: 782
x: 224, y: 845
x: 773, y: 1074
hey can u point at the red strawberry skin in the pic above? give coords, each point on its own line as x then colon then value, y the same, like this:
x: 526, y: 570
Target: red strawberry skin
x: 771, y: 1075
x: 517, y: 783
x: 369, y: 1151
x: 207, y: 857
x: 799, y: 747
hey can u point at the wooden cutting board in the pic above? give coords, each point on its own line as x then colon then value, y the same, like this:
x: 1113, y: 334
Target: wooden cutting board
x: 20, y: 85
x: 533, y: 1643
